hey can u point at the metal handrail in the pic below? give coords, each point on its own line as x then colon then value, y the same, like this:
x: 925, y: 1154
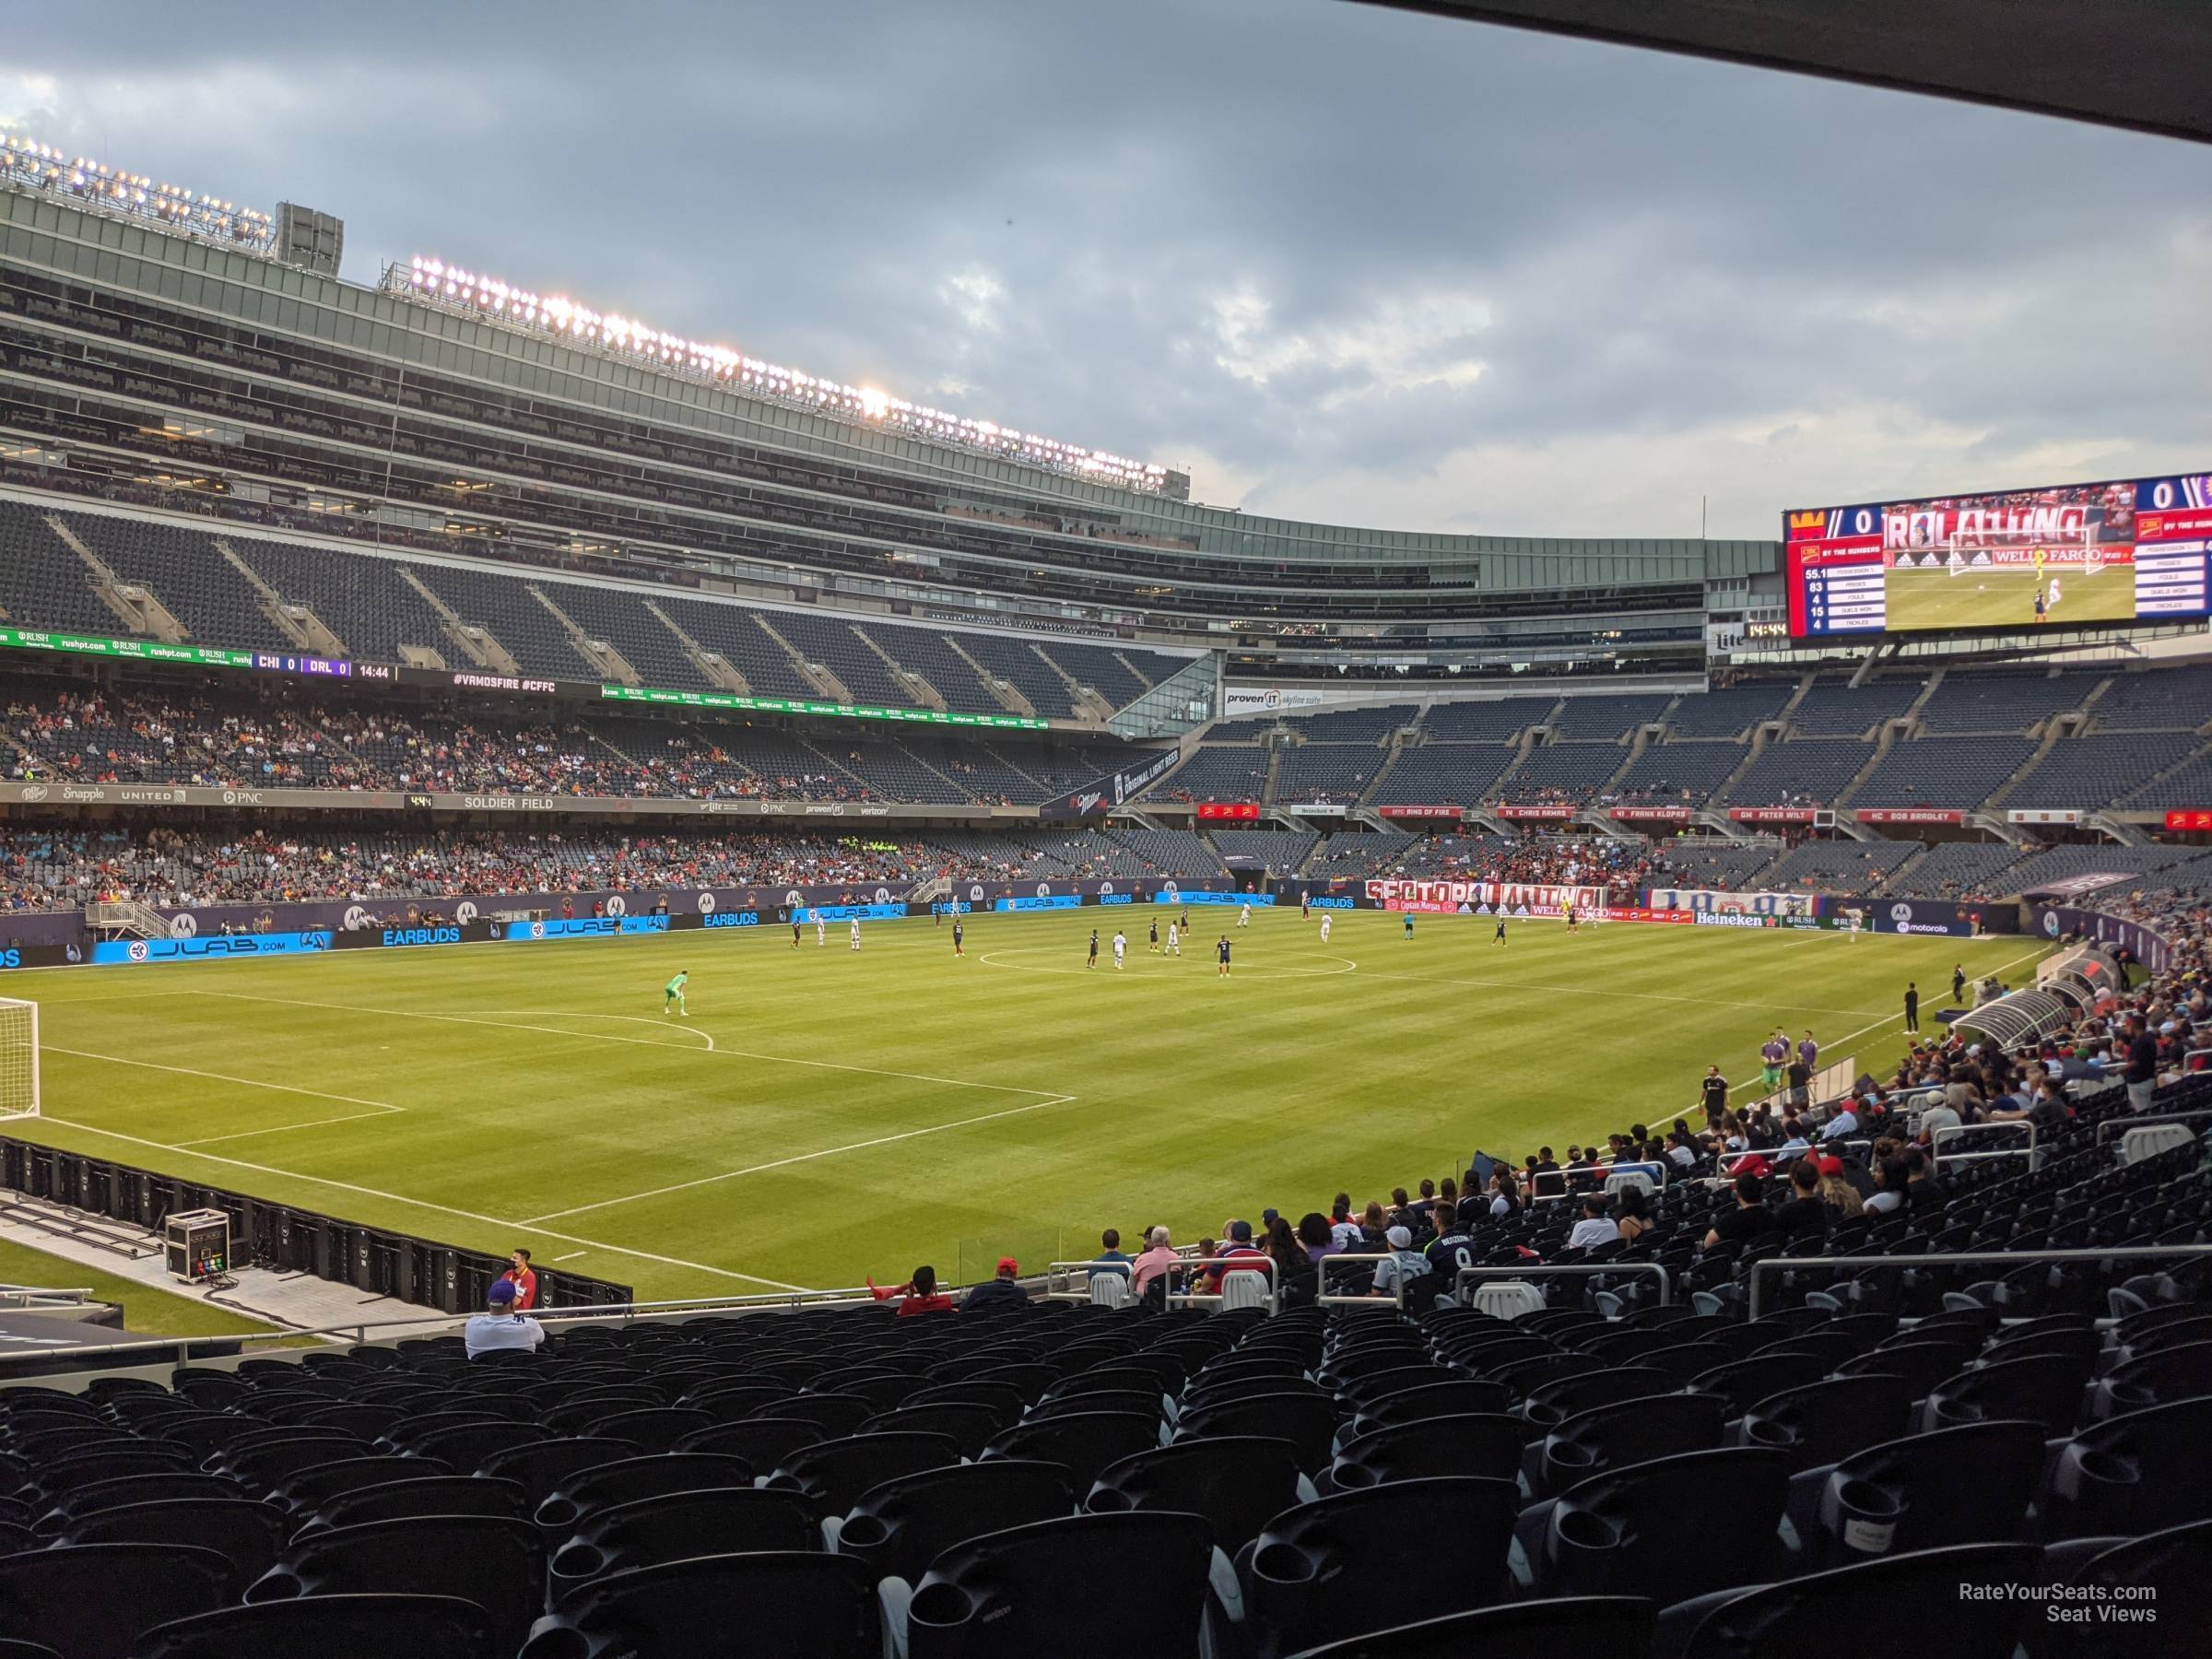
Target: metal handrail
x: 24, y: 1296
x: 1967, y: 1258
x: 1570, y: 1269
x: 1954, y: 1130
x: 1191, y: 1266
x: 2145, y: 1120
x: 371, y: 1330
x: 1057, y: 1273
x: 1322, y: 1298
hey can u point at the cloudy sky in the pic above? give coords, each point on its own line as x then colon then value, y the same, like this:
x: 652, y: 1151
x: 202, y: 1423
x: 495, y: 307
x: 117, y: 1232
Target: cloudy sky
x: 1341, y: 263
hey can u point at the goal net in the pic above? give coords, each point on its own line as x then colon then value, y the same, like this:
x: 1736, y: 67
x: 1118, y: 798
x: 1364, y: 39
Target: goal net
x: 18, y: 1058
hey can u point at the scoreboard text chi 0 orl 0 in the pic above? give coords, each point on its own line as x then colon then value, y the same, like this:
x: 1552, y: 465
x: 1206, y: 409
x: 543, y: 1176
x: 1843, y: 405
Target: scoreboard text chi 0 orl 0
x: 2062, y: 556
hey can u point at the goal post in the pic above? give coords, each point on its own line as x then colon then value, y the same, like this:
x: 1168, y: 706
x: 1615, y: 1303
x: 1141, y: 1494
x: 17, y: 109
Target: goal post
x: 18, y: 1058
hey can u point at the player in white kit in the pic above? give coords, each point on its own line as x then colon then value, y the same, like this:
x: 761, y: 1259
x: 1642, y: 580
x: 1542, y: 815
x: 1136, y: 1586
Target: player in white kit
x: 821, y: 929
x: 1121, y: 944
x: 1244, y: 916
x: 1324, y: 927
x: 1174, y: 941
x: 856, y: 933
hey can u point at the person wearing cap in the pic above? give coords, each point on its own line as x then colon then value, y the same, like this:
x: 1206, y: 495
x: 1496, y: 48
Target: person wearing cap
x: 499, y: 1327
x: 997, y: 1293
x: 1395, y: 1273
x: 1238, y: 1254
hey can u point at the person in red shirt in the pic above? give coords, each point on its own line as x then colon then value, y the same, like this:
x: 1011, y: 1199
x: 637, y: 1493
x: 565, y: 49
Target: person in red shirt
x: 525, y: 1281
x: 919, y: 1294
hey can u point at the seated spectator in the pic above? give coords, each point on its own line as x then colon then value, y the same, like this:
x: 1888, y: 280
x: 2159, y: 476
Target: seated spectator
x: 1238, y: 1254
x: 1344, y: 1231
x: 1294, y: 1274
x: 1152, y: 1264
x: 1844, y: 1124
x: 1804, y: 1216
x: 1505, y: 1194
x: 918, y: 1295
x: 1397, y: 1271
x: 1315, y: 1234
x: 1893, y: 1177
x: 499, y: 1328
x: 1110, y: 1258
x: 1595, y: 1228
x: 1924, y: 1191
x: 997, y: 1293
x: 1748, y: 1221
x: 1452, y: 1249
x: 1631, y: 1214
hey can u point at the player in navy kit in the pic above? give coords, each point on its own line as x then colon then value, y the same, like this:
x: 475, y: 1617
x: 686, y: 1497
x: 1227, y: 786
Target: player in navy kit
x: 1093, y: 962
x: 957, y: 937
x: 1222, y: 956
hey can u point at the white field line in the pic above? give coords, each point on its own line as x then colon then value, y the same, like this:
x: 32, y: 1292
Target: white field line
x: 187, y: 1071
x: 423, y: 1203
x: 800, y: 1158
x: 1706, y: 1001
x: 476, y: 1019
x: 1899, y: 1016
x: 351, y: 1117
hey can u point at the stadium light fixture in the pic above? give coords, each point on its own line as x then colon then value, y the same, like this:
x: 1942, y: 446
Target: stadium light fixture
x: 28, y: 165
x: 434, y: 282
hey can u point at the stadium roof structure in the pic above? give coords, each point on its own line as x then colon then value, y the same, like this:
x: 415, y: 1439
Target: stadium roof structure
x: 2133, y: 64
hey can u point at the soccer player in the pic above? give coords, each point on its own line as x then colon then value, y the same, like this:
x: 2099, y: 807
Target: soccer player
x: 1174, y: 940
x: 1958, y: 983
x: 821, y: 930
x: 1409, y: 925
x: 1121, y: 944
x: 1186, y: 921
x: 1498, y: 937
x: 795, y: 930
x: 1324, y: 927
x: 1154, y: 946
x: 1222, y: 956
x: 1093, y: 961
x: 1244, y: 916
x: 2054, y: 590
x: 1572, y: 923
x: 1305, y: 907
x: 1771, y: 1056
x: 1851, y: 918
x: 957, y: 936
x: 672, y: 997
x: 856, y: 933
x: 2042, y: 609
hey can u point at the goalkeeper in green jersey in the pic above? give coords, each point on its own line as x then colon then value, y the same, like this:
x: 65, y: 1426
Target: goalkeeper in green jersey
x: 672, y: 998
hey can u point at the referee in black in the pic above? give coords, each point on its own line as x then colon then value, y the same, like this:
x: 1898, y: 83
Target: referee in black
x: 1913, y: 1006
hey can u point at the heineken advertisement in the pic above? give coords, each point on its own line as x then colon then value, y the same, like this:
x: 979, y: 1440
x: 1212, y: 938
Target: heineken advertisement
x: 779, y: 705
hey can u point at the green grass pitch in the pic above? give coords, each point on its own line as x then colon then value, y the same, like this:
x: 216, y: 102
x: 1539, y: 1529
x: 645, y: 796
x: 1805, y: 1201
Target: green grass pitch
x: 2006, y: 598
x: 824, y: 1113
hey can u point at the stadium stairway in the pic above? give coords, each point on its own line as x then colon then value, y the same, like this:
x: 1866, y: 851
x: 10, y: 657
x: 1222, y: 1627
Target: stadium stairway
x: 476, y: 642
x: 600, y: 655
x: 1006, y: 692
x: 814, y: 674
x: 925, y: 694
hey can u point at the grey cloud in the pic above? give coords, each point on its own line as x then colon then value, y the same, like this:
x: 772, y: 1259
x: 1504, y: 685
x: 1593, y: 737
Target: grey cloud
x: 1673, y: 276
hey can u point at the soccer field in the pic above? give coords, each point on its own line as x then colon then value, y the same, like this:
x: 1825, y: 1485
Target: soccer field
x: 2005, y: 598
x: 824, y: 1113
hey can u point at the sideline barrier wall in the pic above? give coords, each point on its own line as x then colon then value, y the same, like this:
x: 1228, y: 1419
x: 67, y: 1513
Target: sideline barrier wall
x: 286, y: 1236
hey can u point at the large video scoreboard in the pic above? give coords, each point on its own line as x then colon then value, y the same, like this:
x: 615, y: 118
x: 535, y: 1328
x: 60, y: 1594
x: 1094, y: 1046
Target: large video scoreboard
x: 2131, y: 550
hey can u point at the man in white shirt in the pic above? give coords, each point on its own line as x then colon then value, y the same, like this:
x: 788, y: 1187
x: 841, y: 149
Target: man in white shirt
x: 501, y: 1326
x: 1402, y: 1265
x: 1595, y: 1228
x: 1244, y: 916
x: 1121, y: 944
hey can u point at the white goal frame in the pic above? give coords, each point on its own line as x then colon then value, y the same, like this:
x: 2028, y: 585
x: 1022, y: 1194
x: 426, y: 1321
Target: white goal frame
x: 19, y: 1084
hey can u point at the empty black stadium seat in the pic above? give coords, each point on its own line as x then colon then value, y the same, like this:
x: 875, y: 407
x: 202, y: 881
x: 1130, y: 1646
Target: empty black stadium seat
x: 900, y: 1526
x: 677, y: 1526
x: 1237, y: 1482
x: 776, y: 1602
x: 625, y: 1480
x: 1828, y: 1614
x: 94, y: 1601
x: 1612, y: 1625
x: 1965, y: 1485
x: 2141, y: 1472
x: 1618, y: 1533
x: 493, y: 1562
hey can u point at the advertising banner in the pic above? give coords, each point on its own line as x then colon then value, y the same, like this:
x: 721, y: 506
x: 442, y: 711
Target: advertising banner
x: 583, y: 927
x: 1908, y: 815
x: 222, y: 947
x: 2041, y: 815
x: 1709, y: 899
x: 1941, y: 917
x: 1095, y: 799
x: 1397, y: 893
x: 1233, y: 811
x: 2144, y: 942
x: 1240, y: 702
x: 2195, y: 817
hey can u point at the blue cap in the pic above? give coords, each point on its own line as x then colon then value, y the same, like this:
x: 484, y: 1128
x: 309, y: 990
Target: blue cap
x: 502, y: 1291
